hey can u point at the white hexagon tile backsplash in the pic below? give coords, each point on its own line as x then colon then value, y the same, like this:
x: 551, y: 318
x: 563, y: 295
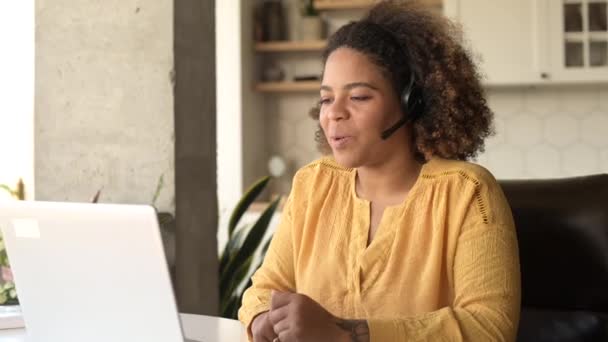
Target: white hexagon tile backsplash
x: 548, y: 132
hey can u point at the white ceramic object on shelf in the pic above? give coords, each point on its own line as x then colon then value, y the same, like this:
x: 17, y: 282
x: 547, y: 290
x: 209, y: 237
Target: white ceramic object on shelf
x: 277, y: 166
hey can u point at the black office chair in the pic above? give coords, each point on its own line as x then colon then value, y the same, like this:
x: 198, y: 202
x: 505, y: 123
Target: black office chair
x: 562, y: 228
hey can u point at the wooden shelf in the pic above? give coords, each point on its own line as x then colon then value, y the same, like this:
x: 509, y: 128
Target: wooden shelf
x: 342, y: 4
x: 276, y: 87
x: 360, y: 4
x: 288, y: 46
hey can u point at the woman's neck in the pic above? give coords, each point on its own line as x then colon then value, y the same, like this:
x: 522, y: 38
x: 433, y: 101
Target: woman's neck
x: 389, y: 181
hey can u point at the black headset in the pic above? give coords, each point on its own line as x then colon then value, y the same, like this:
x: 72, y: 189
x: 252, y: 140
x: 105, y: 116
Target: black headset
x: 410, y: 97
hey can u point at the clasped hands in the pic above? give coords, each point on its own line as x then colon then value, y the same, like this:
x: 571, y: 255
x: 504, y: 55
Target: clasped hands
x: 296, y: 317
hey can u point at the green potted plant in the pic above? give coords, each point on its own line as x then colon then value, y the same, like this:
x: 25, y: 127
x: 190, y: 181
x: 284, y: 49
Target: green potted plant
x: 8, y: 293
x: 238, y: 260
x: 311, y: 26
x: 18, y: 193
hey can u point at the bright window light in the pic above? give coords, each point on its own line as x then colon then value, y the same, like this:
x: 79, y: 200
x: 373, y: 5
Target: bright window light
x: 17, y: 60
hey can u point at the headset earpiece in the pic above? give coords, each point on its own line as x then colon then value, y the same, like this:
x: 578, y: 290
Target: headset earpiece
x: 411, y: 99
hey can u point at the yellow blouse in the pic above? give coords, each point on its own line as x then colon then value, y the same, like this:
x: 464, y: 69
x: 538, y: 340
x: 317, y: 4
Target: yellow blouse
x: 442, y: 266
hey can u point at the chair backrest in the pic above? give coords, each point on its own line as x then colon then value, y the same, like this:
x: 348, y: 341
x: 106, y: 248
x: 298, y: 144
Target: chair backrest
x: 562, y: 227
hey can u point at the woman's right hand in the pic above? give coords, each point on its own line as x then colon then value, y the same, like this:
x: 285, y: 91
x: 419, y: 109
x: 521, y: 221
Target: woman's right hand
x: 261, y: 328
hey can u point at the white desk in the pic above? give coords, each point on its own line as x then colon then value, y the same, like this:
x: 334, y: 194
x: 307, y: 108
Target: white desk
x: 196, y: 327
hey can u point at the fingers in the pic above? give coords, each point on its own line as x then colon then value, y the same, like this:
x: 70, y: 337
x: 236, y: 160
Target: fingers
x: 266, y: 335
x: 286, y: 335
x: 279, y: 314
x: 262, y: 339
x: 262, y: 329
x: 285, y: 309
x: 269, y: 329
x: 279, y: 311
x: 279, y: 299
x: 281, y: 327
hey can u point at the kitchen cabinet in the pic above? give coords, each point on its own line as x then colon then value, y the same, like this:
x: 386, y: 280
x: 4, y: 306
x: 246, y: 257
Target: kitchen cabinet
x: 535, y: 41
x: 578, y: 40
x: 504, y: 37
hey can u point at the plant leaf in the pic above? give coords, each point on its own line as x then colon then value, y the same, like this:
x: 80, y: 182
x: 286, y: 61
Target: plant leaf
x: 250, y: 195
x: 232, y: 246
x: 235, y: 312
x: 238, y: 278
x: 159, y: 187
x: 231, y: 306
x: 20, y: 191
x: 253, y: 270
x: 95, y: 198
x: 8, y: 189
x: 257, y: 266
x: 164, y: 218
x: 265, y: 248
x: 252, y: 242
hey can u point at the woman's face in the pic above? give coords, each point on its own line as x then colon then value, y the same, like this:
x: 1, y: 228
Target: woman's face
x: 357, y: 104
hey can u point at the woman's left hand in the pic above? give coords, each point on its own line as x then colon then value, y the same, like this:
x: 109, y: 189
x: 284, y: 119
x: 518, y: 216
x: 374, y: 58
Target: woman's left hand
x: 297, y: 317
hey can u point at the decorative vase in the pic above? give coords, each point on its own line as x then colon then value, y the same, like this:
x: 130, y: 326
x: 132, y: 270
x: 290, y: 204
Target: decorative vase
x: 311, y: 28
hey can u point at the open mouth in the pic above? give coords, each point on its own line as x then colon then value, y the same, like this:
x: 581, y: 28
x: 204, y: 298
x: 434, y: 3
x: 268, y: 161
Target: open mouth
x: 339, y: 141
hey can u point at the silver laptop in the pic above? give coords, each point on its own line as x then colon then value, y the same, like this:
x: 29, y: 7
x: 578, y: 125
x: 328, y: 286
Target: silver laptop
x: 90, y: 272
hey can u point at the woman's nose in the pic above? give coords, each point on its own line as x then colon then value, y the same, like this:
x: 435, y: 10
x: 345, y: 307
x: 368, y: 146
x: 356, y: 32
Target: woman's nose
x: 337, y: 110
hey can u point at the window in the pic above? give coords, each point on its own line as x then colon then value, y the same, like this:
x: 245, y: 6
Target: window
x: 17, y: 94
x: 585, y: 33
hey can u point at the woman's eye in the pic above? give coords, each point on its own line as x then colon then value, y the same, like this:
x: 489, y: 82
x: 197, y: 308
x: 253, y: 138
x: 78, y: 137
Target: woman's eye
x: 359, y: 98
x: 324, y: 100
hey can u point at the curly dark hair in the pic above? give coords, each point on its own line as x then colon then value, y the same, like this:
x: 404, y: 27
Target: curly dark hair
x: 455, y: 118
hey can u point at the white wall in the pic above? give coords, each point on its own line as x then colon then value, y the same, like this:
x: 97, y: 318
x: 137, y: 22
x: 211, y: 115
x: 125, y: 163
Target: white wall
x: 104, y: 100
x: 17, y: 89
